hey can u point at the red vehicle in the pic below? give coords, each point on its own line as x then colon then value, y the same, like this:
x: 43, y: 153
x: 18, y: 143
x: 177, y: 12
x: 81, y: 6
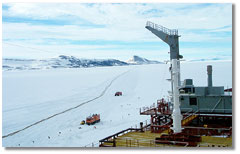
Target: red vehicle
x: 228, y: 90
x: 118, y: 93
x: 93, y: 119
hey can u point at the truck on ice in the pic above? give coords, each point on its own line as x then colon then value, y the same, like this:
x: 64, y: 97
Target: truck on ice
x: 93, y: 119
x: 118, y: 93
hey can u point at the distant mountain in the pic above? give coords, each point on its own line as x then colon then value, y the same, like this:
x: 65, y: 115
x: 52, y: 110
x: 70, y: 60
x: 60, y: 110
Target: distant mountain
x: 59, y: 62
x: 140, y: 60
x: 209, y: 59
x: 68, y: 62
x: 76, y: 62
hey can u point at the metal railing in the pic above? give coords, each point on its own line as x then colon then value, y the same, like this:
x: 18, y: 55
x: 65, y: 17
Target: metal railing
x: 189, y: 118
x: 161, y: 28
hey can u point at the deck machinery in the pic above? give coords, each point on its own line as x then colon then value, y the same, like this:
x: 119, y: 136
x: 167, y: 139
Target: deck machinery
x: 208, y: 100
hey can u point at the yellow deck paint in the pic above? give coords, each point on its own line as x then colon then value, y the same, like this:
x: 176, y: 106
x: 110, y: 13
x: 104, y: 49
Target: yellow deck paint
x: 147, y: 139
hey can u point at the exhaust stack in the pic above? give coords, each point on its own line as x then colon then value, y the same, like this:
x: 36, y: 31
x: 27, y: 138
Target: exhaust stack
x: 209, y: 72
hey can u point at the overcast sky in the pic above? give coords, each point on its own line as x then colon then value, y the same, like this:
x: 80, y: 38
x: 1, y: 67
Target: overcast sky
x: 43, y: 30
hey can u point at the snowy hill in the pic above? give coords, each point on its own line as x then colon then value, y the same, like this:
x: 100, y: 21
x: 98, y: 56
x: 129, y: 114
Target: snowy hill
x: 139, y: 60
x: 68, y: 62
x: 60, y: 62
x: 206, y: 59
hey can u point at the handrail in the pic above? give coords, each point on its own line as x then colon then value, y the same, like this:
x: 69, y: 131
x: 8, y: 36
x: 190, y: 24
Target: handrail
x: 161, y: 28
x: 206, y: 110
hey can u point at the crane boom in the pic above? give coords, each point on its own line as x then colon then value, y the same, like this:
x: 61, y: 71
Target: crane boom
x: 169, y: 36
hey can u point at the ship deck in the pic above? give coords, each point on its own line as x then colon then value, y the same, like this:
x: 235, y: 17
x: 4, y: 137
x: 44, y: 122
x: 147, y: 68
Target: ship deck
x: 147, y: 139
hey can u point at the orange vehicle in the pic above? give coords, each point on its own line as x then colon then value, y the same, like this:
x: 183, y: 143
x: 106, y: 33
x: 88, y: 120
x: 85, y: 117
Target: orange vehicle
x: 93, y: 119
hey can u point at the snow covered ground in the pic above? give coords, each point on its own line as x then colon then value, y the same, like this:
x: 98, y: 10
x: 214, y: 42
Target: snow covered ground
x: 32, y: 95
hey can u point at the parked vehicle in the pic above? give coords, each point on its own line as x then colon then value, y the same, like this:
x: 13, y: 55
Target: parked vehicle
x: 118, y: 93
x: 93, y: 119
x: 82, y: 122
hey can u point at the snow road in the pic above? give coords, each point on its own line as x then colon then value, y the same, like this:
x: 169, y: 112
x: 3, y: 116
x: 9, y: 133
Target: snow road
x: 67, y: 110
x: 29, y: 96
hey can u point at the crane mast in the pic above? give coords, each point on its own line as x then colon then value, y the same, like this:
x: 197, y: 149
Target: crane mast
x: 170, y: 36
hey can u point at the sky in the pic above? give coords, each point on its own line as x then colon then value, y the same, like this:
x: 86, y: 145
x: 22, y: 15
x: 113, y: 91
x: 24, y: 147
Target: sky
x: 115, y: 30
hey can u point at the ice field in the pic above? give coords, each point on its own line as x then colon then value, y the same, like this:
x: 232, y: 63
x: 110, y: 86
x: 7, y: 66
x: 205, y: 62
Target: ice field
x: 62, y: 98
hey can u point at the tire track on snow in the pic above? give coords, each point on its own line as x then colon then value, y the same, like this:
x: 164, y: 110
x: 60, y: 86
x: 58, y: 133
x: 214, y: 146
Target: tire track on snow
x: 54, y: 115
